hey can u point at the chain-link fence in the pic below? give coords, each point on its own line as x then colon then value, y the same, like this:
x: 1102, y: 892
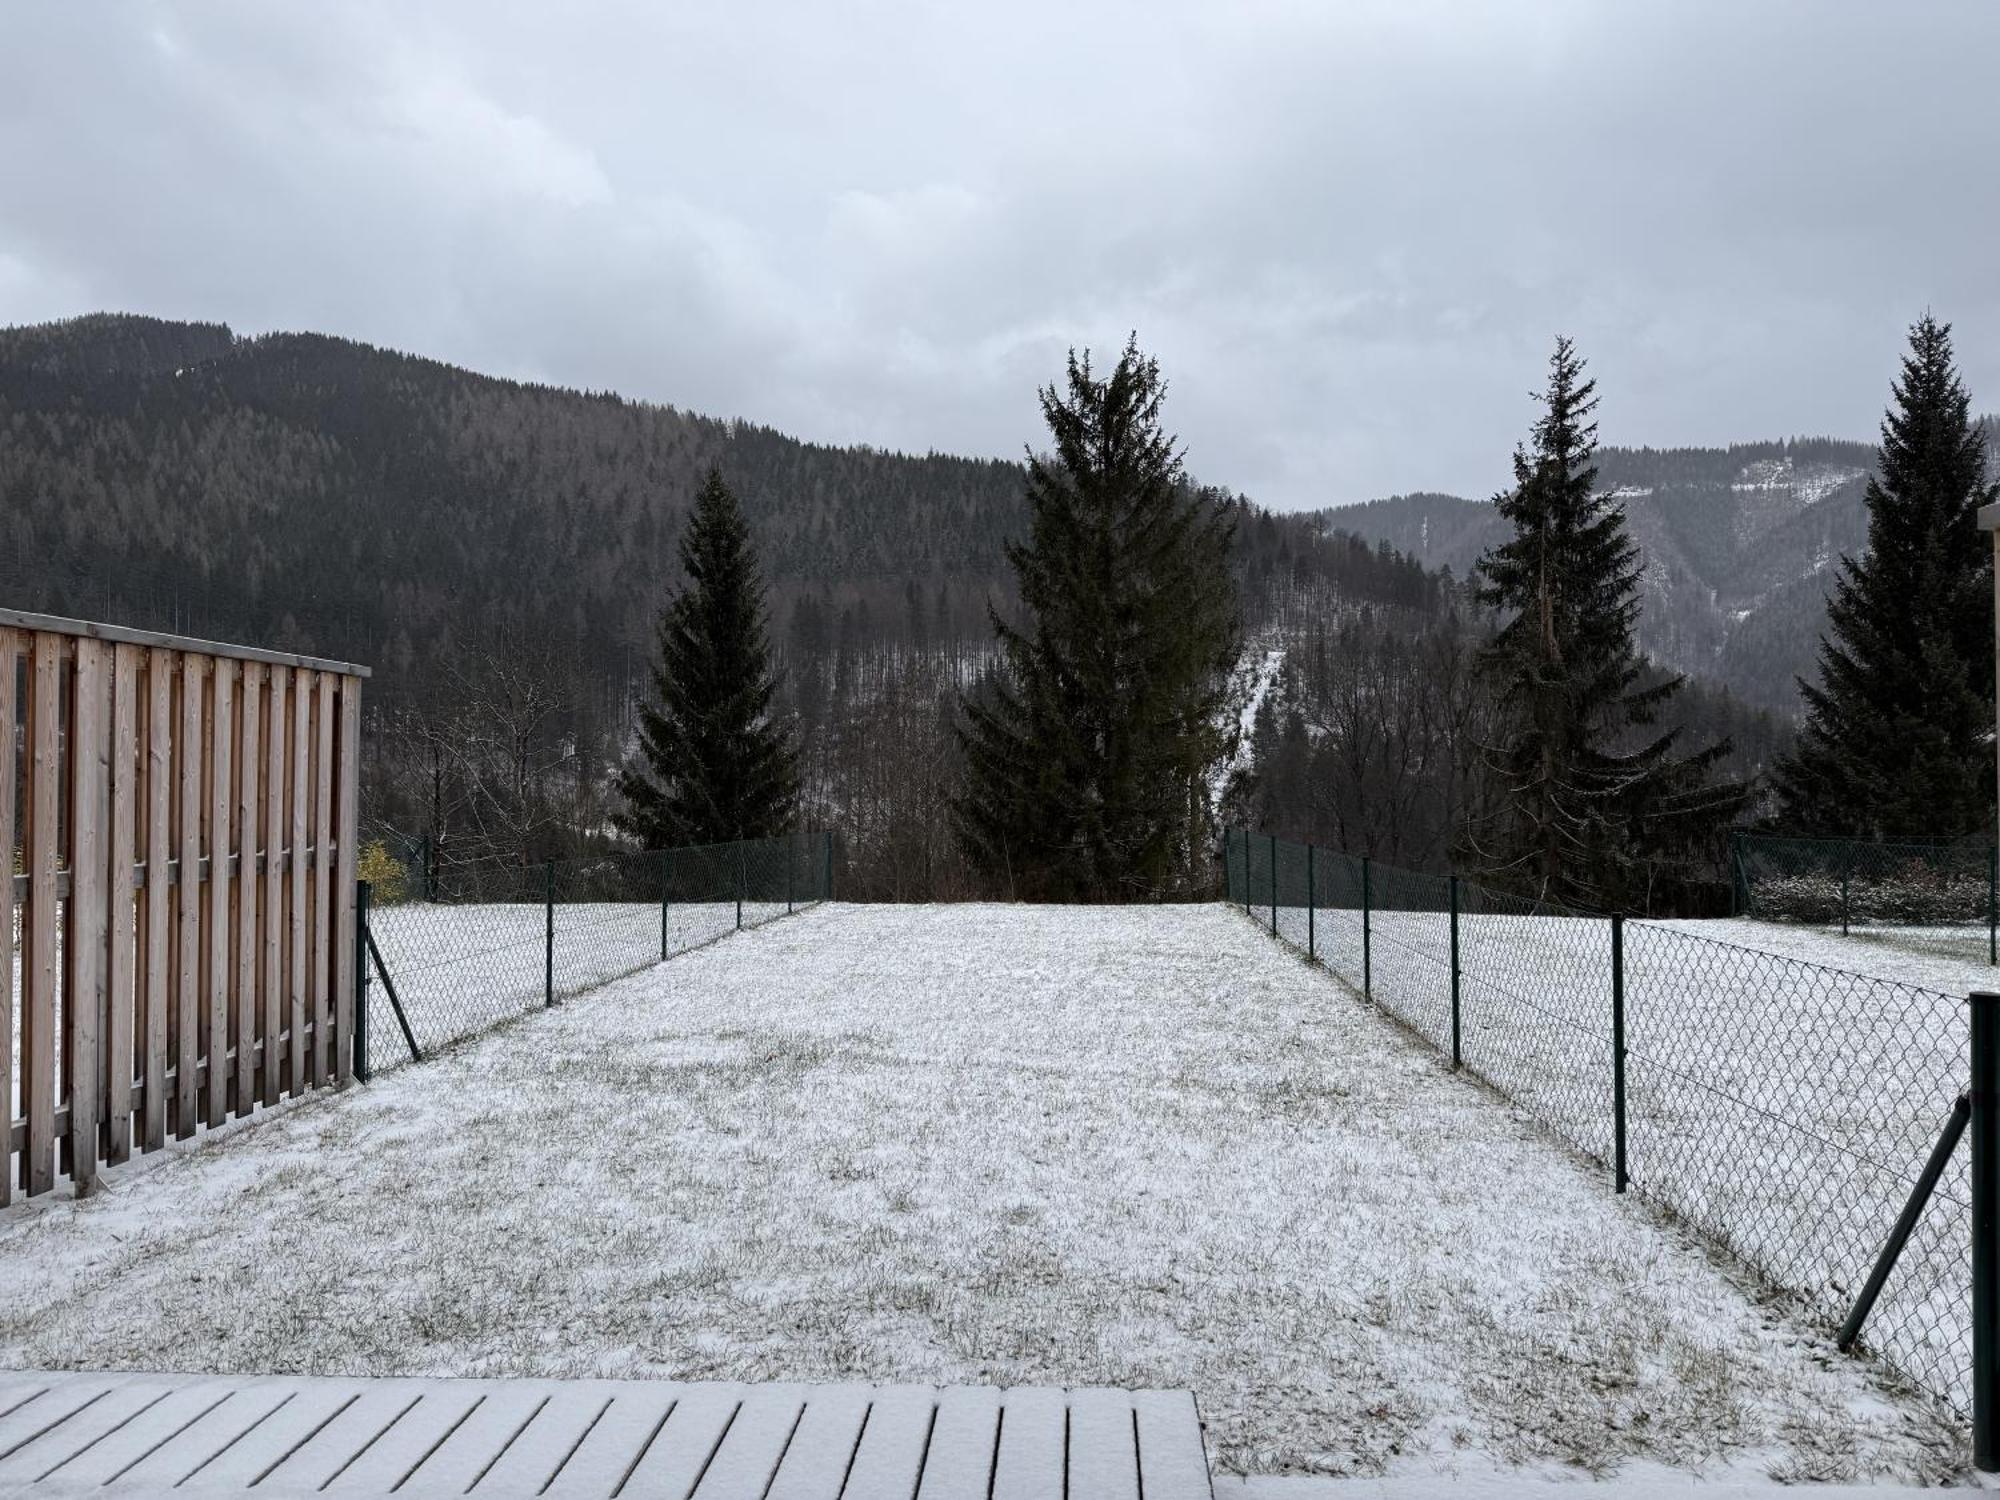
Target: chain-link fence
x: 1783, y: 1108
x: 1937, y: 898
x: 460, y: 947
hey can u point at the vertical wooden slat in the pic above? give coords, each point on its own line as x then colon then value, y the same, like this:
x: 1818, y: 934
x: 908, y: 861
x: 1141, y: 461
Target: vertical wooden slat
x: 162, y: 667
x: 85, y: 912
x: 347, y: 852
x: 221, y: 966
x: 276, y: 925
x: 299, y: 796
x: 10, y: 645
x: 38, y: 989
x: 245, y: 889
x: 322, y: 972
x: 188, y: 1007
x: 122, y: 969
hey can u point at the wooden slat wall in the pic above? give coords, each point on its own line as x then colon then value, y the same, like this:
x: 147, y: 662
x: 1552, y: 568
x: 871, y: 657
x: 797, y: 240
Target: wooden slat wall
x: 10, y: 666
x: 180, y: 826
x: 38, y: 946
x: 127, y: 948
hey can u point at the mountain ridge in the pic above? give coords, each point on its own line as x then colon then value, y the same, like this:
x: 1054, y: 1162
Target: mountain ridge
x: 320, y: 493
x: 315, y: 493
x: 1739, y: 546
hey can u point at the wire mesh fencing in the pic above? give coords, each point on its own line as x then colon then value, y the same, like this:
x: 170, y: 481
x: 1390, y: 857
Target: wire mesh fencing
x: 493, y: 941
x: 1940, y: 898
x: 1784, y: 1109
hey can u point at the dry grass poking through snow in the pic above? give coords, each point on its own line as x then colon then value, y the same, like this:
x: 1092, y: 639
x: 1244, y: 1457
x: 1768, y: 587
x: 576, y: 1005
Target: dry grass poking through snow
x: 1134, y: 1146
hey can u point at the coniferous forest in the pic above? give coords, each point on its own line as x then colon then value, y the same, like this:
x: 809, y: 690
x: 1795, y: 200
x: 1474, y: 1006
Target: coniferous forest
x: 502, y: 554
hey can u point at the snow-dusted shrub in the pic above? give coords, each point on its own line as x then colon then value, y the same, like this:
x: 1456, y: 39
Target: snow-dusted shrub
x: 1812, y: 899
x: 1913, y: 893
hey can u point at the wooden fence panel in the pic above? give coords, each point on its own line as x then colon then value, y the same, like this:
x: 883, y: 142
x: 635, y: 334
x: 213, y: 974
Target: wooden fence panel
x: 190, y: 755
x: 276, y: 925
x: 156, y: 999
x: 122, y: 970
x: 243, y: 890
x: 346, y: 818
x: 183, y: 818
x: 87, y: 911
x: 322, y: 847
x: 38, y: 948
x: 300, y: 797
x: 10, y: 666
x: 220, y: 959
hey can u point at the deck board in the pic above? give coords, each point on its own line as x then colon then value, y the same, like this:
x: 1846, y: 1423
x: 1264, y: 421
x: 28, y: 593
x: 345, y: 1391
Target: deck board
x: 280, y: 1437
x: 959, y: 1465
x: 823, y: 1445
x: 161, y: 1452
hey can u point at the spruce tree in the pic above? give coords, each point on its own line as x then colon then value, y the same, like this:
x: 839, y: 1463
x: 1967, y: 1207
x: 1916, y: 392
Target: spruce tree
x: 713, y: 765
x: 1898, y: 732
x: 1089, y: 749
x: 1593, y: 805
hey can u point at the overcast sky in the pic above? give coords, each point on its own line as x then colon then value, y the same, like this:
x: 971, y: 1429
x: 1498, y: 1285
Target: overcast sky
x: 1349, y: 231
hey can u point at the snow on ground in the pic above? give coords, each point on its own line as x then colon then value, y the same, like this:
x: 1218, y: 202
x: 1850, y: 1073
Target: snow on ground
x: 1951, y: 959
x: 1781, y: 1107
x: 461, y: 969
x: 1253, y: 679
x: 1139, y: 1146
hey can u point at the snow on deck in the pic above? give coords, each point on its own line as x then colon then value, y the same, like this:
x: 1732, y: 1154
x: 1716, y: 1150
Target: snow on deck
x: 282, y: 1437
x: 1134, y: 1147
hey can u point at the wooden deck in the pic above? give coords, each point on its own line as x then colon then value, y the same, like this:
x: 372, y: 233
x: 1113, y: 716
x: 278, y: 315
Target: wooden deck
x: 194, y: 1435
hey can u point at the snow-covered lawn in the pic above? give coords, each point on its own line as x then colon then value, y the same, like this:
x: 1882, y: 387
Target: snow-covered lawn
x: 1782, y: 1106
x: 1140, y: 1146
x: 460, y: 969
x: 1951, y: 959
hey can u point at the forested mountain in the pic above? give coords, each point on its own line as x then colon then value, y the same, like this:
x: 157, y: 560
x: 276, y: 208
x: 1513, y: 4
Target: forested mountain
x: 1740, y: 546
x: 318, y: 494
x: 310, y: 491
x: 499, y: 551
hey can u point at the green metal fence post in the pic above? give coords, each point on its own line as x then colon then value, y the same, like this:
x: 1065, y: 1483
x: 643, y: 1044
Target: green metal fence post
x: 1846, y: 880
x: 827, y: 893
x: 1993, y: 905
x: 742, y: 876
x: 361, y: 894
x: 1312, y: 941
x: 1906, y: 1221
x: 1274, y: 885
x: 791, y: 867
x: 1246, y: 872
x: 1985, y: 1127
x: 1618, y: 1051
x: 549, y: 939
x: 666, y: 902
x: 1457, y: 1054
x: 1367, y: 945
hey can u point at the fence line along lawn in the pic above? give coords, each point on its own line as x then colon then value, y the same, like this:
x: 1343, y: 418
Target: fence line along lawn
x: 461, y: 968
x: 1779, y: 1103
x: 1137, y: 1147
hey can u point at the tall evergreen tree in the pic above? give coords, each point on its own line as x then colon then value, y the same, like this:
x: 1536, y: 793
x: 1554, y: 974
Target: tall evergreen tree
x: 1088, y: 751
x: 713, y: 765
x: 1898, y: 732
x: 1594, y: 807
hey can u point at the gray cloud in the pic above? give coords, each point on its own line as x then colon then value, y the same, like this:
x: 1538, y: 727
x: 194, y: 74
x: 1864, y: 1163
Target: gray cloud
x: 1350, y: 232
